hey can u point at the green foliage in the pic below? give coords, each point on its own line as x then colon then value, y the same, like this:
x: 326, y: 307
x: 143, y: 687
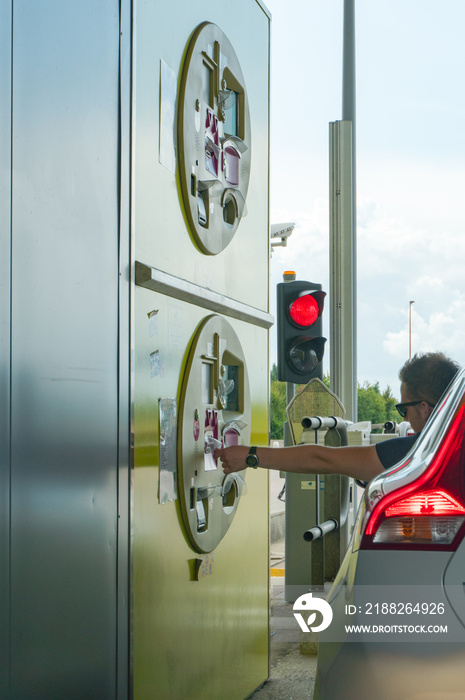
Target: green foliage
x: 326, y: 381
x: 390, y: 402
x: 370, y: 403
x: 373, y: 405
x: 277, y: 409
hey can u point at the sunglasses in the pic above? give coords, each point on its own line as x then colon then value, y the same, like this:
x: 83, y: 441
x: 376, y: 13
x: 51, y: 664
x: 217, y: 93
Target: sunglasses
x: 402, y: 407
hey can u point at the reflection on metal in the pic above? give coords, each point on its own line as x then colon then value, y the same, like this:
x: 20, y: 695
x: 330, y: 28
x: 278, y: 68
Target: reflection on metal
x: 167, y: 143
x: 168, y: 437
x: 5, y: 344
x: 209, y: 418
x: 67, y: 468
x: 214, y: 139
x: 159, y: 281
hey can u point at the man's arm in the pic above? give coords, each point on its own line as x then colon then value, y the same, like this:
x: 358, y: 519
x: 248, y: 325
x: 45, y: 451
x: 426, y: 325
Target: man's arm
x: 358, y: 462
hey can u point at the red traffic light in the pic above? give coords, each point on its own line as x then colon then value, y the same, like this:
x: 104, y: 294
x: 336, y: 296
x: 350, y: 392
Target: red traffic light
x: 301, y: 344
x: 304, y: 310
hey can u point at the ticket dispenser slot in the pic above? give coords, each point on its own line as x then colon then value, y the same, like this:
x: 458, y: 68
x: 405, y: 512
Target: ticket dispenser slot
x: 214, y: 411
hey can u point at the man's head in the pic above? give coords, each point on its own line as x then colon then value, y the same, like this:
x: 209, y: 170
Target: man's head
x: 424, y: 378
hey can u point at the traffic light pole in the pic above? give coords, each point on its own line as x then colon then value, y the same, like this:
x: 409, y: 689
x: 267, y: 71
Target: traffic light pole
x: 290, y: 386
x: 300, y: 359
x: 290, y: 393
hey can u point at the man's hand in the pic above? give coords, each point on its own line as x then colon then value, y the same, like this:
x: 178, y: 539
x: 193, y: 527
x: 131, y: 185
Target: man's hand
x: 233, y: 458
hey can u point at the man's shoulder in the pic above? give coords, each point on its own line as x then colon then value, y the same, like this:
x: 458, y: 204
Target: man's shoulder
x: 392, y: 451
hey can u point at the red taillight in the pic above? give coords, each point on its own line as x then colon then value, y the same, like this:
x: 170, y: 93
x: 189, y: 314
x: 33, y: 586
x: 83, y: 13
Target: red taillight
x: 430, y: 511
x: 426, y: 503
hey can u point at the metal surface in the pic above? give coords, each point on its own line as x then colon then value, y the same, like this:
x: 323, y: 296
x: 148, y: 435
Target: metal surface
x: 185, y: 627
x: 5, y: 298
x: 194, y: 612
x: 320, y: 530
x: 123, y: 679
x: 348, y: 67
x: 336, y: 505
x: 158, y: 215
x: 214, y: 138
x: 83, y: 134
x: 342, y: 255
x: 160, y: 281
x: 69, y: 421
x: 349, y: 110
x: 216, y: 359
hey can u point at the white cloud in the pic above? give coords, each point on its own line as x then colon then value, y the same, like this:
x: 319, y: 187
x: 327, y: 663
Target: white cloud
x: 443, y: 330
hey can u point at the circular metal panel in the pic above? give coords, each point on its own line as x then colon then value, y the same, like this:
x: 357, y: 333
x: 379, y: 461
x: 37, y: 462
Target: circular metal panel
x: 214, y: 406
x: 213, y: 139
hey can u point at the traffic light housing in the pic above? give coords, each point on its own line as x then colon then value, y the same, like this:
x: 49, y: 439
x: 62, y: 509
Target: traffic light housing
x: 301, y: 344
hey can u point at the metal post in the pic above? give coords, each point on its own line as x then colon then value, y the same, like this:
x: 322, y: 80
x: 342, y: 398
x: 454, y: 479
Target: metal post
x: 296, y: 571
x: 343, y: 221
x: 342, y: 281
x: 337, y: 496
x: 410, y: 329
x: 348, y: 66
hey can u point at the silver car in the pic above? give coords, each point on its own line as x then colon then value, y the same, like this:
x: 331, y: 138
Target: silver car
x: 398, y: 601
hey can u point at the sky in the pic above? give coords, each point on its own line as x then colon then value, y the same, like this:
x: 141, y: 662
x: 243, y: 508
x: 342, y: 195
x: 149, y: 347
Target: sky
x: 410, y: 161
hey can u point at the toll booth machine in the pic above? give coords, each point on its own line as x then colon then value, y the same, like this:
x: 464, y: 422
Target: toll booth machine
x: 134, y: 186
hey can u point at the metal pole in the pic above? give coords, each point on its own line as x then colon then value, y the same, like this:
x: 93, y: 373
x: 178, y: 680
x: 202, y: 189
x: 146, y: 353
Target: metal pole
x: 288, y: 276
x: 410, y: 329
x: 349, y: 114
x: 341, y: 258
x: 348, y: 66
x: 343, y: 218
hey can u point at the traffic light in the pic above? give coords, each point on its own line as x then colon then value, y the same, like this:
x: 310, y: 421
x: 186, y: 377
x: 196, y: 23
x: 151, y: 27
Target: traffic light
x: 301, y: 344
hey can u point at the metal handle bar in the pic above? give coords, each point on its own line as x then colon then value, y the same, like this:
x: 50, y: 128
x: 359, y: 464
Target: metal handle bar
x: 321, y: 530
x: 317, y: 422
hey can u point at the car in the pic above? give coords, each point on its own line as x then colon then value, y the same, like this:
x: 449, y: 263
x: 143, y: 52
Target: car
x: 398, y: 600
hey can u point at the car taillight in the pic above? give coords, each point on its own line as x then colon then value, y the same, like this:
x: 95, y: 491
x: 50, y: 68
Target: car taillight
x: 430, y: 511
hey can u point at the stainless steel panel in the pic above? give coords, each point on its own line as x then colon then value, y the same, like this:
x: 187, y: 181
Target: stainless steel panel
x: 124, y: 683
x: 184, y: 629
x: 65, y: 212
x: 240, y: 271
x: 5, y: 179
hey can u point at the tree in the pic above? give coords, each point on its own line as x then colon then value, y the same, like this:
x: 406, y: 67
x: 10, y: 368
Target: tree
x: 277, y: 405
x: 371, y: 405
x: 390, y: 402
x: 375, y: 406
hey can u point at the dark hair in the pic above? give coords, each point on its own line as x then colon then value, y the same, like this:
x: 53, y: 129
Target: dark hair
x: 427, y: 375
